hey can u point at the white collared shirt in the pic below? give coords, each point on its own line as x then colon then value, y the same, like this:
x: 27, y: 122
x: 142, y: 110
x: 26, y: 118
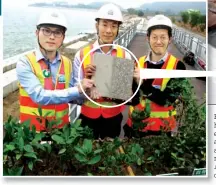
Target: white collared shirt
x: 162, y: 60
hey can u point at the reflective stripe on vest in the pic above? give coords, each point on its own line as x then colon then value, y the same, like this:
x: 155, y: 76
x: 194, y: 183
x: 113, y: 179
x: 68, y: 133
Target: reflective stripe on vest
x: 159, y: 114
x: 29, y: 109
x: 90, y: 109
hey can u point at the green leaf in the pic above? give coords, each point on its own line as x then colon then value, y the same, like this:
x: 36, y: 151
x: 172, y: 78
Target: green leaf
x: 79, y: 128
x: 9, y: 119
x: 90, y: 174
x: 38, y: 137
x: 69, y: 141
x: 57, y: 122
x: 151, y: 158
x: 39, y: 160
x: 33, y: 129
x: 180, y: 151
x: 94, y: 160
x: 73, y: 132
x: 28, y: 148
x: 62, y: 151
x: 10, y: 147
x: 77, y: 123
x: 87, y: 145
x: 26, y: 123
x: 80, y: 158
x: 20, y: 133
x: 139, y: 162
x: 133, y: 150
x: 141, y: 151
x: 40, y: 111
x: 66, y: 132
x: 102, y: 168
x: 49, y: 148
x: 21, y: 144
x: 197, y: 161
x: 5, y: 151
x: 157, y: 152
x: 148, y: 109
x: 181, y: 159
x: 57, y: 132
x: 36, y: 115
x: 30, y: 165
x: 26, y: 131
x: 5, y: 172
x: 58, y: 139
x: 97, y: 151
x: 174, y: 155
x: 80, y: 150
x: 5, y: 158
x: 18, y: 171
x: 39, y: 146
x: 47, y: 114
x: 15, y: 171
x: 117, y: 142
x: 18, y: 156
x: 30, y: 155
x: 148, y: 174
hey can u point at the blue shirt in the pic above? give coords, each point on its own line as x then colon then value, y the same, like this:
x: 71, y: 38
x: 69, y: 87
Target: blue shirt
x: 30, y: 82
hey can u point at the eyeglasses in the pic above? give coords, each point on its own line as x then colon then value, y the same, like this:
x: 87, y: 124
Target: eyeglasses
x: 162, y: 39
x: 48, y: 32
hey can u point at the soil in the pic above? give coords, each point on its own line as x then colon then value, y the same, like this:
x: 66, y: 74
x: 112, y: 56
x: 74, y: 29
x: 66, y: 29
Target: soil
x: 11, y: 105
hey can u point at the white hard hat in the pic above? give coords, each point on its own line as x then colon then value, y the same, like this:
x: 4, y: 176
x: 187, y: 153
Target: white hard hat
x: 53, y: 17
x: 159, y: 20
x: 111, y: 12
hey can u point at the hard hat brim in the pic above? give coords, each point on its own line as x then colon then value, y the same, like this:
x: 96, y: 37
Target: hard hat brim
x: 52, y: 25
x: 97, y: 19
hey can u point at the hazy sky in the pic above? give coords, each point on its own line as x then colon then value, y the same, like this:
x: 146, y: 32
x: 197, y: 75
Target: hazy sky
x: 123, y: 3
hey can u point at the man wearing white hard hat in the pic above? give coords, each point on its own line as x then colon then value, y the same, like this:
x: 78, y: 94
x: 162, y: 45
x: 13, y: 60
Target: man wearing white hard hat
x: 105, y: 122
x: 45, y: 76
x: 156, y: 92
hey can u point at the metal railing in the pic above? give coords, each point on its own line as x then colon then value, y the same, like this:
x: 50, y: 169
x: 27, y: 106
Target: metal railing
x: 185, y: 41
x: 127, y: 36
x: 188, y: 42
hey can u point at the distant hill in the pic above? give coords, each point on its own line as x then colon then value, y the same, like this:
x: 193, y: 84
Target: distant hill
x: 171, y: 8
x: 93, y: 5
x: 174, y: 7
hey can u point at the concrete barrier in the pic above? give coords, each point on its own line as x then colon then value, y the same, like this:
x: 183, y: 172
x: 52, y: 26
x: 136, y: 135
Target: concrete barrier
x: 73, y: 48
x: 10, y: 83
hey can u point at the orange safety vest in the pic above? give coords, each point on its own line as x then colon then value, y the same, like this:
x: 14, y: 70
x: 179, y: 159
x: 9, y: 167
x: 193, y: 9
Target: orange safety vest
x: 160, y: 116
x: 29, y: 108
x: 90, y: 109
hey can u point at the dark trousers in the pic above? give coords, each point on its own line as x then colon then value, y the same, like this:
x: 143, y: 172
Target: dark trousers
x: 103, y: 127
